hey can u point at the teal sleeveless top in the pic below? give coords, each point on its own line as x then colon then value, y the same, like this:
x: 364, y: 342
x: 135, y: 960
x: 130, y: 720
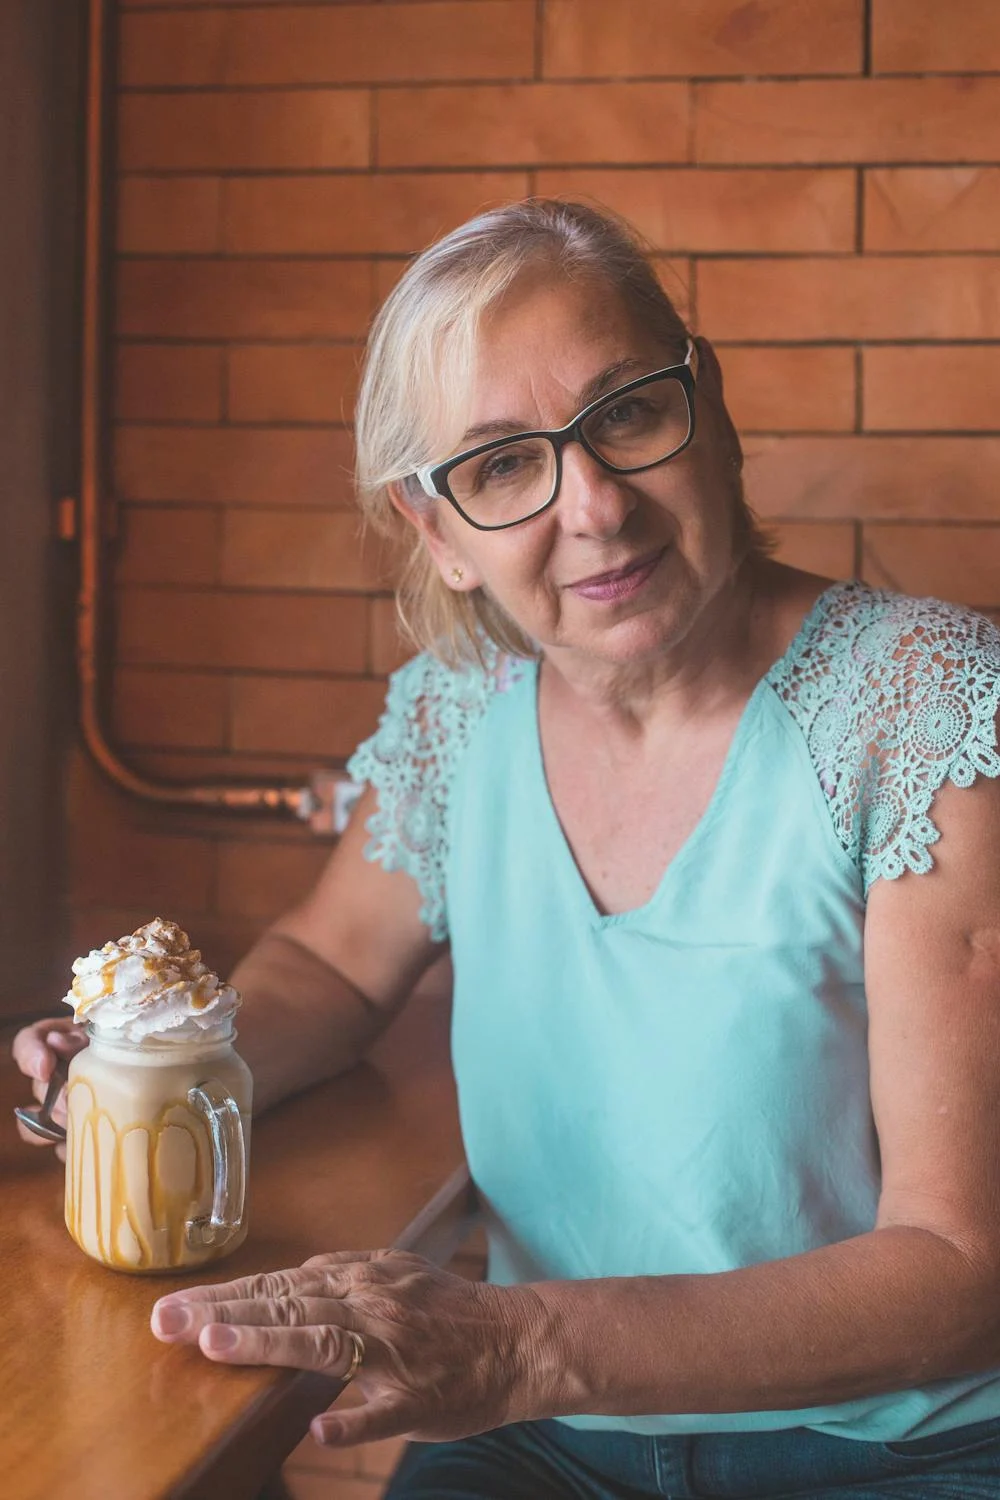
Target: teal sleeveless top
x: 683, y: 1088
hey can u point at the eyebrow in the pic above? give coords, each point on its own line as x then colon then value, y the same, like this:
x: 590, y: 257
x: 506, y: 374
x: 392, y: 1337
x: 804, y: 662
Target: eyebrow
x: 606, y: 380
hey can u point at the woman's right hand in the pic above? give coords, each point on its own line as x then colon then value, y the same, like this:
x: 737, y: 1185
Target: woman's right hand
x: 36, y: 1050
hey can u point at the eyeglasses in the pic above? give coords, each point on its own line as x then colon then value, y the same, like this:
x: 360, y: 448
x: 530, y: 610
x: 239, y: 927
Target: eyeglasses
x: 512, y: 479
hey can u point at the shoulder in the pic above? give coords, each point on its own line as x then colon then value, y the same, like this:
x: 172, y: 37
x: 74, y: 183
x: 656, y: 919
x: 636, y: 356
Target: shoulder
x: 895, y: 696
x: 431, y: 713
x: 433, y: 707
x: 885, y: 649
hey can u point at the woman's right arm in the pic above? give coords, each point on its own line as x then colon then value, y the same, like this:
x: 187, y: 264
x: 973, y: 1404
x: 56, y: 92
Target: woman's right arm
x: 318, y: 987
x: 327, y: 978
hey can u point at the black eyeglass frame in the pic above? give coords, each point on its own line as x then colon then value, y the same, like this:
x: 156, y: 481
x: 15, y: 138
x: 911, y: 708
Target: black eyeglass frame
x: 433, y: 479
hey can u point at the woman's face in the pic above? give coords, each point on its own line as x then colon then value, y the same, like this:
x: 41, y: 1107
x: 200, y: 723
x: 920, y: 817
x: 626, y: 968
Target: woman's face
x: 665, y: 536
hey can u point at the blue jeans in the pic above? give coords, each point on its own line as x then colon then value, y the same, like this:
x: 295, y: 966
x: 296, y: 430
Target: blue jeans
x: 550, y: 1461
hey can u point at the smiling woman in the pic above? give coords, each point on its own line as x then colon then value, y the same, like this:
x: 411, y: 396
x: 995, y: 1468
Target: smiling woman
x: 726, y: 1035
x: 421, y: 387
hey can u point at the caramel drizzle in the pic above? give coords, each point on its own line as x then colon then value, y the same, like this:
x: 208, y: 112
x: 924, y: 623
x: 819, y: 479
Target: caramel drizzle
x: 168, y: 1208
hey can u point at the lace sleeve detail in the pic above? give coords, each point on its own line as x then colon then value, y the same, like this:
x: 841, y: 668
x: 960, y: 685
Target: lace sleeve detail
x: 895, y: 696
x: 411, y: 760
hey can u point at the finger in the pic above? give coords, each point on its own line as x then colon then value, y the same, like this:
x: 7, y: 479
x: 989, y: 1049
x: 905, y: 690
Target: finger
x: 30, y: 1052
x: 264, y: 1287
x: 60, y: 1151
x: 335, y: 1258
x: 36, y: 1049
x: 381, y: 1417
x: 31, y: 1138
x: 323, y: 1348
x: 181, y: 1322
x: 67, y: 1043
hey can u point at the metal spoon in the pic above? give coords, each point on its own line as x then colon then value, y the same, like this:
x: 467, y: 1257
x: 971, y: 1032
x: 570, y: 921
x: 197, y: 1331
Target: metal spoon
x: 38, y: 1117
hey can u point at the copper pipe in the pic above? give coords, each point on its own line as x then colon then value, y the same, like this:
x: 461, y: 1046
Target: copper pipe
x: 305, y: 801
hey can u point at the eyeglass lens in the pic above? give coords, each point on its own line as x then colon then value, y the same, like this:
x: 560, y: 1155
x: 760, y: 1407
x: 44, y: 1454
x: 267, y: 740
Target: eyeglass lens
x: 633, y: 431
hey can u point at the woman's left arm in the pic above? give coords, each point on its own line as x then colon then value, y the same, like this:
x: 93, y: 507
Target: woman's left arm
x: 914, y: 1300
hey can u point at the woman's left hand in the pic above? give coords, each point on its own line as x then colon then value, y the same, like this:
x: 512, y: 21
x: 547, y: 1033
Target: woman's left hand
x: 444, y: 1357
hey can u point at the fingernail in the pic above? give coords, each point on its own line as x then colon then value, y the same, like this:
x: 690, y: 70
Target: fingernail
x: 218, y: 1337
x: 325, y: 1432
x: 172, y: 1318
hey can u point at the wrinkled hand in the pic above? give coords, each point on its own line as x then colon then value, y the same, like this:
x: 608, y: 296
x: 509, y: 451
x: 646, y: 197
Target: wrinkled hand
x: 36, y: 1049
x: 444, y: 1357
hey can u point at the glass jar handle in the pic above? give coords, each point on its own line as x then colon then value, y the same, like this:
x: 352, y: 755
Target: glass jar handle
x: 225, y: 1129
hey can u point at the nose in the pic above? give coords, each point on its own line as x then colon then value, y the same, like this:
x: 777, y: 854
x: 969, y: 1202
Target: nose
x: 592, y: 501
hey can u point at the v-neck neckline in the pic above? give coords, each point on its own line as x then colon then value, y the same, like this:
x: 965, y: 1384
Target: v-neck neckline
x: 744, y: 724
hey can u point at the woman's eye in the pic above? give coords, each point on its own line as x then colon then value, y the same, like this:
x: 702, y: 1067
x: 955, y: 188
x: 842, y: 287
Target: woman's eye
x: 500, y: 467
x: 625, y: 413
x: 504, y: 468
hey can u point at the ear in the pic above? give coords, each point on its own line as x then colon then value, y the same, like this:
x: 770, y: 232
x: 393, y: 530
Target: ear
x: 438, y: 526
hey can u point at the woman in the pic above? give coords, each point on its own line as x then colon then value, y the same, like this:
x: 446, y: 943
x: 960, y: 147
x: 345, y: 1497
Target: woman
x: 726, y: 1036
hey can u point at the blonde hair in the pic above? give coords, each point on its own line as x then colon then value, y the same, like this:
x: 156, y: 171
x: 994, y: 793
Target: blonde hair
x: 417, y: 368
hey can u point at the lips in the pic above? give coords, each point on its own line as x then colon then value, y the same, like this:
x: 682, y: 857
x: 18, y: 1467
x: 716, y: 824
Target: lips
x: 619, y: 583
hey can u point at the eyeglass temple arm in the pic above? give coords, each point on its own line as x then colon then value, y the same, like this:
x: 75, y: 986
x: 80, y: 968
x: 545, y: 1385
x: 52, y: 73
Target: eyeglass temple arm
x: 424, y: 476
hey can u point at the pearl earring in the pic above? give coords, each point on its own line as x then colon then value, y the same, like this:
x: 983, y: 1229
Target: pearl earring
x: 457, y: 575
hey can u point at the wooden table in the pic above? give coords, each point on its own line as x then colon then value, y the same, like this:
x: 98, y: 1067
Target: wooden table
x: 92, y: 1407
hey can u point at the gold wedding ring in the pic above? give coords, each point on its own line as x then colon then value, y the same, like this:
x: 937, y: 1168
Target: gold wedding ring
x: 357, y: 1357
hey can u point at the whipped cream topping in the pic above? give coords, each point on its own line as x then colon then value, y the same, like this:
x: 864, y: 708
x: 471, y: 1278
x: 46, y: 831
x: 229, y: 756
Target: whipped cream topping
x: 152, y: 985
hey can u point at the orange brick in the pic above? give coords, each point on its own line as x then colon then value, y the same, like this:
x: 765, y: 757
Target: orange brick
x: 389, y: 648
x: 239, y: 466
x: 168, y: 215
x: 265, y: 879
x: 961, y: 563
x: 273, y: 130
x: 590, y: 38
x: 324, y: 717
x: 175, y: 544
x: 170, y: 708
x: 206, y: 299
x: 933, y: 389
x: 356, y: 215
x: 305, y: 549
x: 690, y: 210
x: 873, y: 478
x: 932, y: 208
x: 848, y: 120
x: 880, y: 297
x: 283, y: 632
x: 387, y: 273
x: 817, y: 546
x: 125, y: 865
x: 789, y: 389
x: 330, y: 44
x: 300, y: 383
x: 533, y: 123
x: 168, y: 383
x: 918, y: 36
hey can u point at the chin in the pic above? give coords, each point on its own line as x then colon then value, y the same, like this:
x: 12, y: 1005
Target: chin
x: 641, y: 637
x: 649, y: 631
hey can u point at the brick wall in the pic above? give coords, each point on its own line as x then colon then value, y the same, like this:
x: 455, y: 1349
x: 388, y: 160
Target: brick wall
x: 820, y: 179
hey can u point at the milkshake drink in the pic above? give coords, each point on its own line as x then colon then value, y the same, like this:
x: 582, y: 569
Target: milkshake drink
x: 158, y: 1107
